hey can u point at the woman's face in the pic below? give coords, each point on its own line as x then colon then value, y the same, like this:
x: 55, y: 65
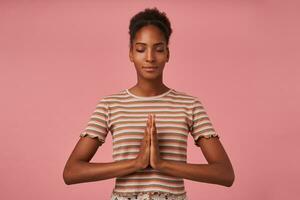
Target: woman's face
x: 149, y: 49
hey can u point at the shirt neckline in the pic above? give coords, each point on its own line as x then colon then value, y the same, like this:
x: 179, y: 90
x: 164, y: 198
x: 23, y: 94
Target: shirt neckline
x: 151, y: 97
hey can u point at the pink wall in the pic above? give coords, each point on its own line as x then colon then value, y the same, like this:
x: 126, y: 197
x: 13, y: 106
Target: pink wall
x: 241, y: 58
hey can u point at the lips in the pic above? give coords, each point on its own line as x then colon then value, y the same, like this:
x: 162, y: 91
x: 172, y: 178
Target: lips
x: 150, y: 68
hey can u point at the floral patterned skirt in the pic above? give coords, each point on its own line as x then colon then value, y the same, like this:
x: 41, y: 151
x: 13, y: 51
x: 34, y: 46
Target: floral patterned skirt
x: 148, y: 196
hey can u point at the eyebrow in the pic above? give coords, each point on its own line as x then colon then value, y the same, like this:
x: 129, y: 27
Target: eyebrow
x: 159, y: 43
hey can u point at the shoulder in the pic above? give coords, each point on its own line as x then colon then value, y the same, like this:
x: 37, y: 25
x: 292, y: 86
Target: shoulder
x: 112, y: 97
x: 185, y: 95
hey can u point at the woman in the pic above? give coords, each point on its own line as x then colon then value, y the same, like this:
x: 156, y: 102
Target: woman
x: 149, y: 123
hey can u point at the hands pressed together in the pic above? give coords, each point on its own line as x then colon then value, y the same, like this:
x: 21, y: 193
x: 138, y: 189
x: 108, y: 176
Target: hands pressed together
x: 149, y: 150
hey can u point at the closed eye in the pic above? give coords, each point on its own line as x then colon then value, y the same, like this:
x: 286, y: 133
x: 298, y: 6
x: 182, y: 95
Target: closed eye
x: 158, y: 50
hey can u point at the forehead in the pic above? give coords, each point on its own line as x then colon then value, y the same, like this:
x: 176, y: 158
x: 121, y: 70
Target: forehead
x: 149, y: 35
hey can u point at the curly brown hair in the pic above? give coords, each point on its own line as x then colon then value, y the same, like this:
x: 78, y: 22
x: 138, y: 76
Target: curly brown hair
x: 150, y: 16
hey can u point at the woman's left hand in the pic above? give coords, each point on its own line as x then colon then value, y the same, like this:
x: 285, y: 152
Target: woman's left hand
x: 155, y: 159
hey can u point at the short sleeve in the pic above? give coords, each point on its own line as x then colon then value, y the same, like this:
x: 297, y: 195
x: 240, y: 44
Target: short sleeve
x: 201, y: 124
x: 97, y: 126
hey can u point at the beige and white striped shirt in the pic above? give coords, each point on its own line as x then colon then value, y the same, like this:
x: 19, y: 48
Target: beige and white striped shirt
x: 124, y: 115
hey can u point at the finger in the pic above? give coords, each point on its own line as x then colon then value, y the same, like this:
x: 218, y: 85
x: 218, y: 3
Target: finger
x: 153, y: 120
x: 154, y: 128
x: 149, y: 121
x: 145, y: 137
x: 147, y: 131
x: 147, y: 125
x: 149, y: 136
x: 153, y: 123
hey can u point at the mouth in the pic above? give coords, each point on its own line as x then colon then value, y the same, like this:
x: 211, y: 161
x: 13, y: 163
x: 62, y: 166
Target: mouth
x: 150, y: 68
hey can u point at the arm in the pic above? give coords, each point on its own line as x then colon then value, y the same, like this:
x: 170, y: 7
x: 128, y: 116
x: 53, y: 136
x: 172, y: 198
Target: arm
x: 78, y: 169
x: 218, y: 170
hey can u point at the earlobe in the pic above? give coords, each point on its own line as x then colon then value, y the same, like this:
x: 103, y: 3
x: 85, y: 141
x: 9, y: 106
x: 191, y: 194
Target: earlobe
x: 130, y: 56
x: 168, y: 56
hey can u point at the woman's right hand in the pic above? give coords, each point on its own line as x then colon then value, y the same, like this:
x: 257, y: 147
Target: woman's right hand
x: 143, y: 158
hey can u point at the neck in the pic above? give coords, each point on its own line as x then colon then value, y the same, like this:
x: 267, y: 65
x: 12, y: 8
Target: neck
x: 146, y: 87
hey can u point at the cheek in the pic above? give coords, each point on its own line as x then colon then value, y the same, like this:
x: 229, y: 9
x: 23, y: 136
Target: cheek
x: 162, y: 59
x: 138, y: 58
x: 162, y: 56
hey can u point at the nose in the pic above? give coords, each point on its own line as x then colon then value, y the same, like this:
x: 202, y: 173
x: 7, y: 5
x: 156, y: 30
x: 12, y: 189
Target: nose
x: 150, y: 56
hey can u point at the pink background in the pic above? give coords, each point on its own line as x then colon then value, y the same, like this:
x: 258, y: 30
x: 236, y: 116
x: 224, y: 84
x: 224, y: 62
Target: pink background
x: 58, y: 58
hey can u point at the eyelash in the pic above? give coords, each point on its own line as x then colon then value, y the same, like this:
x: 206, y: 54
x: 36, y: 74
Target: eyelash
x: 157, y: 50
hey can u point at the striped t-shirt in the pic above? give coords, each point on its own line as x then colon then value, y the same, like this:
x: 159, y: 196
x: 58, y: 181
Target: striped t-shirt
x: 124, y: 115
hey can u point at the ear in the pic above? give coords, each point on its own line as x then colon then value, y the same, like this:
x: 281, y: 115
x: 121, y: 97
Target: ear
x: 168, y: 54
x: 130, y: 54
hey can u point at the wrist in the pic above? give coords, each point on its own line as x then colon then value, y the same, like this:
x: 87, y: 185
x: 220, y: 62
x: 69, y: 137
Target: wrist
x: 161, y: 164
x: 137, y: 164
